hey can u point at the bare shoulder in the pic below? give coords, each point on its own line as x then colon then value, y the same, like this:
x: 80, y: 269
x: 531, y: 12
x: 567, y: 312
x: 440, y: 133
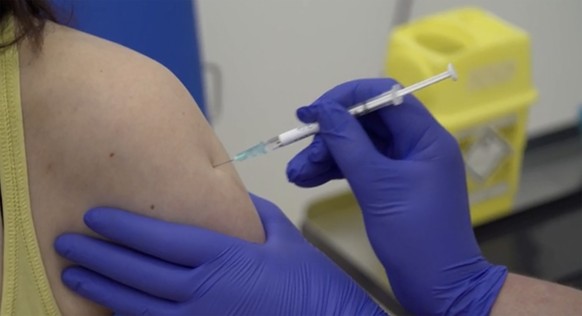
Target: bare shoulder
x: 76, y: 72
x: 106, y: 126
x: 117, y: 128
x: 73, y: 63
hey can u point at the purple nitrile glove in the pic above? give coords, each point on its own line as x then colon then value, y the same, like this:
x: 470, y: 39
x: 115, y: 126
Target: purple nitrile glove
x: 155, y: 267
x: 407, y: 174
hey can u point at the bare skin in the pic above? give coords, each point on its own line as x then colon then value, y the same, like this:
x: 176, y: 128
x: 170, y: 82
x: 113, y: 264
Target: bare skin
x: 526, y: 296
x: 106, y: 126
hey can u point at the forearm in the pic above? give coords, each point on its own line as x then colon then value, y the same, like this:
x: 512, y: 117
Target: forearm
x: 521, y: 295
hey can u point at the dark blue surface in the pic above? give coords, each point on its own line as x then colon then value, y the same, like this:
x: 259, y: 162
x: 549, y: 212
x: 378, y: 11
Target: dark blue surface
x: 164, y: 30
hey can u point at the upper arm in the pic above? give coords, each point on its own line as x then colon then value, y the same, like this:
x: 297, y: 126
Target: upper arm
x: 126, y: 133
x: 146, y: 147
x: 154, y: 152
x: 105, y: 126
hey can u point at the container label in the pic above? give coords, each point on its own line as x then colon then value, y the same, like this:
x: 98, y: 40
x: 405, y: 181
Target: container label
x: 486, y: 154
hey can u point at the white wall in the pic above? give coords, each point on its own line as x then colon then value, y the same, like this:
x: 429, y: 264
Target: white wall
x: 276, y: 55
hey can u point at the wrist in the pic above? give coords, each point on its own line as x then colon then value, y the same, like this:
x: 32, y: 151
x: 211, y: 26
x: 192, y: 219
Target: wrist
x: 476, y: 294
x: 469, y: 287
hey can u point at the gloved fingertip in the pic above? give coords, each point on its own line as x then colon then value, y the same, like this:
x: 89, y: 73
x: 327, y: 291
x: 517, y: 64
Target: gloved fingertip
x: 72, y: 279
x: 93, y: 216
x: 314, y: 154
x: 318, y: 152
x: 307, y: 114
x: 62, y: 245
x: 294, y: 170
x: 101, y: 217
x: 313, y: 181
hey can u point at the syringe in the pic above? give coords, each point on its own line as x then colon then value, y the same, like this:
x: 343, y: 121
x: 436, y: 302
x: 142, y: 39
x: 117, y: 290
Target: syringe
x: 392, y: 97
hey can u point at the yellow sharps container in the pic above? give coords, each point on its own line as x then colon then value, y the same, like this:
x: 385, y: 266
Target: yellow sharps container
x: 486, y: 109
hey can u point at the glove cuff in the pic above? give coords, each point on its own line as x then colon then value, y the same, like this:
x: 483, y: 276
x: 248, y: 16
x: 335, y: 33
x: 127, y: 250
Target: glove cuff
x: 480, y: 296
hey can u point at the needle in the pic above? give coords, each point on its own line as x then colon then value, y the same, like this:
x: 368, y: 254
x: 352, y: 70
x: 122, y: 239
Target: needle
x: 222, y: 163
x: 392, y: 97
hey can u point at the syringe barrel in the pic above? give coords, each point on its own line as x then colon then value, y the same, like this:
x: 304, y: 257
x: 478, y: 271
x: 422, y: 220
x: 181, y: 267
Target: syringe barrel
x: 392, y: 97
x: 304, y: 131
x: 298, y: 133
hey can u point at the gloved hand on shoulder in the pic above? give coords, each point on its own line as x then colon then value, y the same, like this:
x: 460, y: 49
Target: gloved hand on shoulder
x: 407, y: 174
x: 152, y: 267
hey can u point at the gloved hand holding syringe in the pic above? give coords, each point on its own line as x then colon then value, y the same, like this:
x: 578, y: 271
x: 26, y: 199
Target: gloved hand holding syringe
x: 392, y: 97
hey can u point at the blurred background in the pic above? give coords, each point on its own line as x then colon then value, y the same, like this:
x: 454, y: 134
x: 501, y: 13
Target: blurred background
x: 277, y: 55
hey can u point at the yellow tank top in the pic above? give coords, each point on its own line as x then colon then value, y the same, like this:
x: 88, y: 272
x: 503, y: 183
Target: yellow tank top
x: 25, y: 287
